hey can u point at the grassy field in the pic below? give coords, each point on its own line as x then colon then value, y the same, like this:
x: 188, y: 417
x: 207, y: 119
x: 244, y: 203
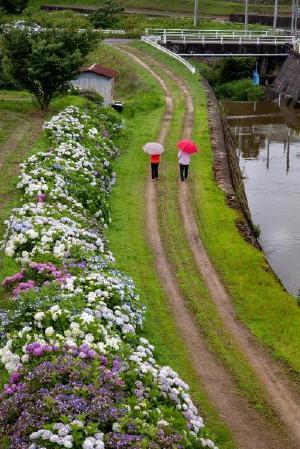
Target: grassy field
x: 132, y: 23
x: 268, y: 311
x: 216, y: 7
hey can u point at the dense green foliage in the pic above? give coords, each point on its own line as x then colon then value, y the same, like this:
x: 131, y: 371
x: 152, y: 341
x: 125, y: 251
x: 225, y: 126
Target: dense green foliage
x: 45, y: 62
x: 240, y: 90
x: 224, y: 70
x: 231, y: 79
x: 13, y: 6
x: 7, y: 81
x: 107, y: 16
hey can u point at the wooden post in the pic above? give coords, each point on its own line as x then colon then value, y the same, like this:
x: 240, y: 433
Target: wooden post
x: 196, y: 13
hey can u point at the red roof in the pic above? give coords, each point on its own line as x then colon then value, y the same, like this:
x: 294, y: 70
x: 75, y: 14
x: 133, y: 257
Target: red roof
x: 99, y: 70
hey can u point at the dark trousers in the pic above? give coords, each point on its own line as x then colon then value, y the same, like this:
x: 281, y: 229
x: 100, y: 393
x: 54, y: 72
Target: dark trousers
x: 184, y: 171
x: 154, y: 170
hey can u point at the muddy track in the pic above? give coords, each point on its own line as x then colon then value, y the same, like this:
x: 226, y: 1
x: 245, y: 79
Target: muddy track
x: 250, y: 430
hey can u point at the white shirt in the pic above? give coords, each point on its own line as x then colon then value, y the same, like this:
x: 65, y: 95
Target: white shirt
x: 184, y: 158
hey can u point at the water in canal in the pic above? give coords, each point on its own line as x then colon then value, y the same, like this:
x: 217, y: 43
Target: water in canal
x: 268, y: 146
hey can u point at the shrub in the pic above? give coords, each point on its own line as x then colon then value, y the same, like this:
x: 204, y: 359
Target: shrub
x: 107, y: 16
x: 92, y: 95
x: 241, y: 90
x: 227, y: 69
x: 14, y: 6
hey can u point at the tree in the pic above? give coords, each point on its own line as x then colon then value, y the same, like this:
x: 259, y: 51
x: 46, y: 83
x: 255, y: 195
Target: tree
x: 2, y: 18
x: 45, y: 62
x: 13, y: 6
x: 107, y: 15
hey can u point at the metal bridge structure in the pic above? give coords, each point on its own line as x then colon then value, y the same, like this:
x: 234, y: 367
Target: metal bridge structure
x: 222, y: 43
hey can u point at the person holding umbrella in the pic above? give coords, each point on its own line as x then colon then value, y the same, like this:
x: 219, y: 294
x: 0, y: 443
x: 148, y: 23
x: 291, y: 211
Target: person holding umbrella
x: 154, y: 149
x: 186, y: 149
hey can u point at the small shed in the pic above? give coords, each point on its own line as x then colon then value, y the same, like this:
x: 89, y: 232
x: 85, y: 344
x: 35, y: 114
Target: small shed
x: 97, y: 78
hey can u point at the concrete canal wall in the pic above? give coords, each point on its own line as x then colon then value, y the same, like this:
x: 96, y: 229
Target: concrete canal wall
x: 286, y: 88
x: 227, y: 170
x: 263, y: 19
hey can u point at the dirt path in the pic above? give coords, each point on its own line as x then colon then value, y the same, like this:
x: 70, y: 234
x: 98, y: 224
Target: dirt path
x: 249, y: 428
x: 281, y: 393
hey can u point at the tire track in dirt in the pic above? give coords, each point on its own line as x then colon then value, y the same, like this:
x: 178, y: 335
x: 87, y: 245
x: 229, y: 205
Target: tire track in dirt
x: 249, y: 428
x: 280, y: 391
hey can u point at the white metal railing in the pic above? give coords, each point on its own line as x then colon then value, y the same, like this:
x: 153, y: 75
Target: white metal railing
x: 154, y: 43
x: 220, y: 36
x: 119, y: 32
x: 297, y: 46
x: 175, y: 32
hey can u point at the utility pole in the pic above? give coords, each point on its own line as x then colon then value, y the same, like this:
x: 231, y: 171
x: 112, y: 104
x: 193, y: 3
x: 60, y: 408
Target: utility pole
x: 293, y: 16
x: 246, y: 15
x: 196, y: 13
x: 296, y: 15
x: 275, y: 14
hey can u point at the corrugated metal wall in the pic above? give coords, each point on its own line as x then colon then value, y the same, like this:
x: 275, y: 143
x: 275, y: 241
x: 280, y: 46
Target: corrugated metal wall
x: 100, y: 84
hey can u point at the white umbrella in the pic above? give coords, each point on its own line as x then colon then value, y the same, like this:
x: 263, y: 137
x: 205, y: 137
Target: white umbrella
x: 153, y: 148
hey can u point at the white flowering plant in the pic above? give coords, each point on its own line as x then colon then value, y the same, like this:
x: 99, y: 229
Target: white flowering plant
x: 80, y: 373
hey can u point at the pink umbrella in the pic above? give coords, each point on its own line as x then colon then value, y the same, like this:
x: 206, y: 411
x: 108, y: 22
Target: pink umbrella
x: 153, y: 148
x: 187, y: 146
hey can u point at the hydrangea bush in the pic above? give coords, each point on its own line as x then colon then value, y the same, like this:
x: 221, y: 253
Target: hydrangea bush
x: 81, y: 375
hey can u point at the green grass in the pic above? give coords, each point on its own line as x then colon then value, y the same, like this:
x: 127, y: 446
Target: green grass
x: 143, y: 111
x: 260, y: 302
x: 217, y: 7
x: 12, y: 123
x: 132, y: 23
x: 191, y: 283
x: 130, y: 246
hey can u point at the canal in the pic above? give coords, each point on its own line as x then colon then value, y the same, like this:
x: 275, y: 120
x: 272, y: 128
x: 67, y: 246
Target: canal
x: 268, y: 146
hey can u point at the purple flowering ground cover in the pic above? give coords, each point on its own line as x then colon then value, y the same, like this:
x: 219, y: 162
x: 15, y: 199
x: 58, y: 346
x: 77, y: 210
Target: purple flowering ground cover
x: 80, y: 374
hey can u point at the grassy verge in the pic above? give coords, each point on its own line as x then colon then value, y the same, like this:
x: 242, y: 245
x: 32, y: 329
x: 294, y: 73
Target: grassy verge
x: 143, y: 111
x: 129, y: 244
x: 261, y: 303
x: 218, y: 7
x: 180, y: 256
x: 134, y: 24
x: 29, y: 142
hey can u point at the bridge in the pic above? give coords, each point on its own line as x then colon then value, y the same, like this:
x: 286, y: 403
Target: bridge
x: 221, y: 43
